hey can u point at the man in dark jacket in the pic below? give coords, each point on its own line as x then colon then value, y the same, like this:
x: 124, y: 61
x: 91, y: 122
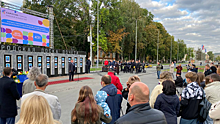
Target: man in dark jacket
x: 8, y: 96
x: 140, y: 111
x: 132, y: 66
x: 114, y: 98
x: 179, y: 83
x: 88, y: 64
x: 71, y: 70
x: 207, y: 70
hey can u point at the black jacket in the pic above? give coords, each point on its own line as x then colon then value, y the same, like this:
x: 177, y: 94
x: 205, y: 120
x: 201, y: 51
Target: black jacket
x: 71, y: 67
x: 8, y: 96
x: 179, y: 81
x: 169, y: 105
x: 142, y: 114
x: 213, y: 68
x: 113, y: 100
x: 208, y: 72
x: 88, y: 62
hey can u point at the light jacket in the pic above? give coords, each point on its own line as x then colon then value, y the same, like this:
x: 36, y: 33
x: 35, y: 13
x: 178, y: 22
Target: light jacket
x: 214, y: 113
x: 171, y: 68
x: 51, y: 99
x: 28, y: 86
x: 212, y: 94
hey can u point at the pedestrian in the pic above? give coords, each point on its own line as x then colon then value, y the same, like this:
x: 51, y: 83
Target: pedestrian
x: 214, y: 112
x: 86, y: 111
x: 71, y: 70
x: 190, y: 100
x: 8, y: 96
x: 100, y: 99
x: 213, y: 68
x: 211, y: 95
x: 106, y: 63
x: 132, y: 66
x: 114, y: 98
x: 201, y: 79
x: 115, y: 80
x: 179, y: 69
x: 14, y: 72
x: 158, y: 68
x: 117, y: 67
x: 179, y: 84
x: 207, y: 70
x: 88, y: 64
x: 28, y: 85
x: 158, y: 89
x: 143, y: 66
x: 36, y: 110
x: 140, y: 111
x: 125, y: 67
x: 168, y: 102
x: 125, y: 91
x: 188, y: 67
x: 172, y: 68
x: 194, y: 69
x: 41, y: 84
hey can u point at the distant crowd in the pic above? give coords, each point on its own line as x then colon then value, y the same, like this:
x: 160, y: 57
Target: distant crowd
x: 195, y: 99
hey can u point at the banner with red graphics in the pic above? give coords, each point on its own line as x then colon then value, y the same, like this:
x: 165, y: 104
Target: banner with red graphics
x: 21, y: 28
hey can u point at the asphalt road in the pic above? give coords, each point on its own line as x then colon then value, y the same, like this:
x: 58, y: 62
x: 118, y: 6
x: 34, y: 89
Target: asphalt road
x: 68, y: 92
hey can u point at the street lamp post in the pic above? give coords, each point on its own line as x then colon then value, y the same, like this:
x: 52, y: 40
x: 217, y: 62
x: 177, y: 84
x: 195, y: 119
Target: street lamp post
x: 157, y: 44
x: 136, y: 43
x: 90, y: 38
x: 171, y: 50
x: 177, y: 52
x: 97, y: 63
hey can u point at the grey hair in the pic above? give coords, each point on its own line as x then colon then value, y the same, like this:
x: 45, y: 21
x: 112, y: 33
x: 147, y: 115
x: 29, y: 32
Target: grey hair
x: 41, y: 80
x: 33, y: 73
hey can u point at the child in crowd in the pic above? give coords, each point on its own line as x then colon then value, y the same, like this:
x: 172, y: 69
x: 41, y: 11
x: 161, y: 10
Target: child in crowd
x: 179, y: 84
x: 100, y: 98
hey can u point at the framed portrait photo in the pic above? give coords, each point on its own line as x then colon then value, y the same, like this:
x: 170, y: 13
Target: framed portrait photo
x: 48, y: 65
x: 63, y: 65
x: 48, y: 59
x: 69, y: 59
x: 63, y: 59
x: 19, y: 66
x: 39, y: 59
x: 55, y: 65
x: 39, y: 65
x: 19, y: 59
x: 7, y: 58
x: 55, y: 59
x: 8, y: 65
x: 30, y: 59
x: 30, y: 65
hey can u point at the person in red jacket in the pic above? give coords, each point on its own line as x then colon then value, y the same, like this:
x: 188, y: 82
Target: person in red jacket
x: 115, y: 80
x: 106, y: 63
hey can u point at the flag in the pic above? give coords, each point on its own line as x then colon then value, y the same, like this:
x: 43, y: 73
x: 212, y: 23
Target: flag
x: 205, y: 50
x: 202, y: 47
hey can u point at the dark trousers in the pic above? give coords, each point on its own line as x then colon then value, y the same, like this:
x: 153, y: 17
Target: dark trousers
x: 7, y: 120
x: 88, y: 69
x: 71, y: 75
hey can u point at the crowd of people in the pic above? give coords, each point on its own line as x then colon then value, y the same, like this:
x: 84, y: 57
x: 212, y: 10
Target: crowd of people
x: 129, y: 66
x: 169, y: 100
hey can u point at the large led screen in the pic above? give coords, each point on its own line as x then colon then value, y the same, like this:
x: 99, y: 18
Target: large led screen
x: 21, y: 28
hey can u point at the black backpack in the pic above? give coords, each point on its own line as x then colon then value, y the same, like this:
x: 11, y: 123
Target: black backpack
x: 205, y: 106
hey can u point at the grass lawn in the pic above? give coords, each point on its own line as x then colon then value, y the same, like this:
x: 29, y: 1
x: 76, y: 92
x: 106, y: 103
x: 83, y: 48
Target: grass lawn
x: 95, y: 69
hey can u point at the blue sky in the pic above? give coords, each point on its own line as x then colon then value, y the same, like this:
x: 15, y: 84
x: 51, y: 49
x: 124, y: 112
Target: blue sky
x: 196, y: 22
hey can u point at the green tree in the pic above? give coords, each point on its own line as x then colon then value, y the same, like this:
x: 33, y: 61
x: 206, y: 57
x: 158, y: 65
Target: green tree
x: 211, y: 55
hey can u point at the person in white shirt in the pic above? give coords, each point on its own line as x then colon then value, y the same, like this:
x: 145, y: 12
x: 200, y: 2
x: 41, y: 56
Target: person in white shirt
x: 41, y: 83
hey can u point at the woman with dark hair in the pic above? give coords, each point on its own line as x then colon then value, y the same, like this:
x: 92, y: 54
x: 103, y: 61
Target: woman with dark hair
x: 86, y: 110
x: 168, y: 102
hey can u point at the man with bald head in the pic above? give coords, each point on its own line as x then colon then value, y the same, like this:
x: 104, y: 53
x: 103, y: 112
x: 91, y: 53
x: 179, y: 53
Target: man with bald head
x: 140, y: 111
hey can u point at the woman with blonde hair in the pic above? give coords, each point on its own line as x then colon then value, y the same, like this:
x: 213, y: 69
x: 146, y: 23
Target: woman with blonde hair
x: 33, y: 111
x: 125, y: 91
x: 158, y: 89
x: 86, y: 110
x: 28, y: 85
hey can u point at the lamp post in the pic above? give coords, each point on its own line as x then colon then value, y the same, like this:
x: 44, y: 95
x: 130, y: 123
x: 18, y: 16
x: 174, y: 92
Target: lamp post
x: 136, y: 43
x: 97, y: 63
x: 157, y: 44
x: 90, y: 38
x: 171, y: 50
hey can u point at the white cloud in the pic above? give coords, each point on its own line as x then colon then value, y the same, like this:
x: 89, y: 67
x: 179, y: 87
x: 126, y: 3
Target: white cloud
x: 197, y: 22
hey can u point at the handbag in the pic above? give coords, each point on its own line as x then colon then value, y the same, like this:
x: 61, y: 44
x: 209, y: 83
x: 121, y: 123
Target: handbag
x: 205, y: 106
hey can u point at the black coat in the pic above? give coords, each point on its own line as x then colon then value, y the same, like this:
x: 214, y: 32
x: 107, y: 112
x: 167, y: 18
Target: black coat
x: 208, y: 72
x: 142, y: 114
x: 88, y: 62
x: 179, y: 81
x: 169, y: 105
x: 71, y: 67
x: 8, y: 96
